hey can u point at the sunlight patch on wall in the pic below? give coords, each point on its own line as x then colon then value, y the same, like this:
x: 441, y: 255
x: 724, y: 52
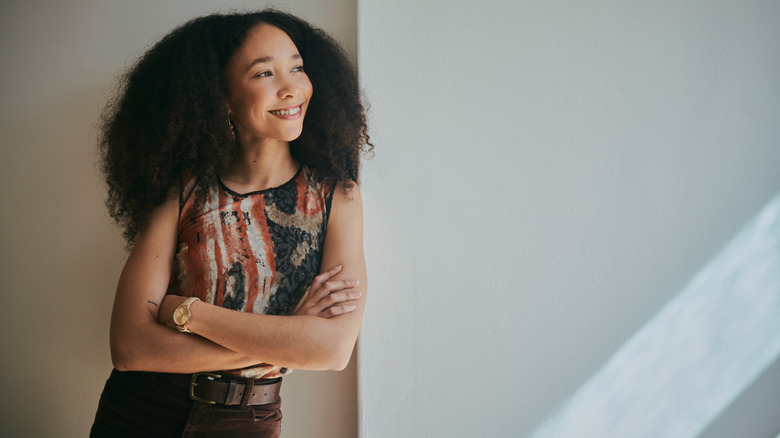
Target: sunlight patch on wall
x: 683, y: 368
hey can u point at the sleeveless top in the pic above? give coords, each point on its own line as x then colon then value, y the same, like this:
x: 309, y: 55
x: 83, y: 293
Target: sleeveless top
x: 256, y: 252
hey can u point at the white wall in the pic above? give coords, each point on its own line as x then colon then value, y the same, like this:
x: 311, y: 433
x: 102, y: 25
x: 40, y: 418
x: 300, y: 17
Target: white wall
x: 60, y: 256
x: 547, y: 176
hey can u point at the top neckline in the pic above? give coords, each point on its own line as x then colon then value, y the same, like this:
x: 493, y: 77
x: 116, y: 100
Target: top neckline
x: 259, y: 192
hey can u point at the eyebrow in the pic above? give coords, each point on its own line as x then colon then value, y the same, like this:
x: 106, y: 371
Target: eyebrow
x: 265, y: 59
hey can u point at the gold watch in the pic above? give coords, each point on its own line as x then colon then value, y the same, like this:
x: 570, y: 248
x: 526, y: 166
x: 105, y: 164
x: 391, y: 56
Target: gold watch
x: 182, y: 315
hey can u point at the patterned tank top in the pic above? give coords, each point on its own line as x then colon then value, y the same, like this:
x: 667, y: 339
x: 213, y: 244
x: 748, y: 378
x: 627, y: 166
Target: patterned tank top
x: 256, y: 252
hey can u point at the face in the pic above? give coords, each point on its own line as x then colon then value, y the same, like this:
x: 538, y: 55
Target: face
x: 268, y: 91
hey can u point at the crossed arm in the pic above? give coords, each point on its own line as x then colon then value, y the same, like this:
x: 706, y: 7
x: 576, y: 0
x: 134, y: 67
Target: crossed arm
x: 321, y: 335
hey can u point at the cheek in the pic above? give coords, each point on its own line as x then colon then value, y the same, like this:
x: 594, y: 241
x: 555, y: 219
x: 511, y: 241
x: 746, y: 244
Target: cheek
x: 308, y: 89
x: 252, y: 101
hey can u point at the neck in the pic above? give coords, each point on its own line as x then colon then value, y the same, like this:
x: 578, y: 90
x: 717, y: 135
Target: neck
x: 260, y: 165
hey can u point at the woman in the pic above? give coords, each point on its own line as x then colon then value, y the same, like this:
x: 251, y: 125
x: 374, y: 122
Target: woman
x: 231, y: 158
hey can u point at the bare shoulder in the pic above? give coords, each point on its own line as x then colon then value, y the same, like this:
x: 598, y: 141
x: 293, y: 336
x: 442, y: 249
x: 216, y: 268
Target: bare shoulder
x: 148, y: 266
x: 162, y: 223
x: 348, y: 195
x: 347, y: 208
x: 344, y: 236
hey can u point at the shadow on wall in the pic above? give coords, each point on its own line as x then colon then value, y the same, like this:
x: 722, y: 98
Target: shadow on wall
x: 708, y: 346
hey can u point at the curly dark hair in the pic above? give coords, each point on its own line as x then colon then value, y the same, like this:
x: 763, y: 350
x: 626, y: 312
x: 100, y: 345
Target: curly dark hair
x: 168, y: 121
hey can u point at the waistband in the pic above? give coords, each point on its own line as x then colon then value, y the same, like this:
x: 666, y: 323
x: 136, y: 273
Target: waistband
x: 225, y: 389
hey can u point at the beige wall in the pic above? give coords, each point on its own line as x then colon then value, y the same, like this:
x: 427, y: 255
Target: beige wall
x: 60, y: 256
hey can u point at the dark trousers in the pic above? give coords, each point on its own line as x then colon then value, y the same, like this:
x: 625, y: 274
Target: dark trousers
x: 141, y: 404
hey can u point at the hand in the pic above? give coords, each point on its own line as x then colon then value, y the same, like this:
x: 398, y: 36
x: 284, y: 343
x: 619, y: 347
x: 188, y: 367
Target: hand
x: 327, y: 299
x: 167, y: 307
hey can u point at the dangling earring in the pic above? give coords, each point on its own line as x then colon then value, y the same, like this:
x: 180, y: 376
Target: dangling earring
x: 230, y: 125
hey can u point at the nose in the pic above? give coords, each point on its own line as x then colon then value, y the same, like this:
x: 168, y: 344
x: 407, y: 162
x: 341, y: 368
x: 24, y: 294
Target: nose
x: 288, y: 88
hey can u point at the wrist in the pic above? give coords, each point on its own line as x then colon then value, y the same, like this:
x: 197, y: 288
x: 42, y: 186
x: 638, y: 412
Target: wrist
x: 182, y: 316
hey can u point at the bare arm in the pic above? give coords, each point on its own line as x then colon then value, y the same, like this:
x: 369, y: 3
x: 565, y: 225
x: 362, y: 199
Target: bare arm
x: 299, y: 341
x: 138, y: 342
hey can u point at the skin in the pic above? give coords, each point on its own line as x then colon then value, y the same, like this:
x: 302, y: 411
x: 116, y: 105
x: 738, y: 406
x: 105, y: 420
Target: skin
x: 263, y: 75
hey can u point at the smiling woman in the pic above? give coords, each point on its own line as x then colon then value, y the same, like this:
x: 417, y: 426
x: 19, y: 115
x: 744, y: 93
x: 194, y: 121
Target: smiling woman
x: 268, y: 90
x: 240, y: 205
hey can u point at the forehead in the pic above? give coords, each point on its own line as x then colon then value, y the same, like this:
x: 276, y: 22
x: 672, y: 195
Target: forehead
x: 265, y: 40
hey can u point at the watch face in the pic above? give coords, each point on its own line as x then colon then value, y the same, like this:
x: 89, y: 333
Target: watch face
x: 181, y: 315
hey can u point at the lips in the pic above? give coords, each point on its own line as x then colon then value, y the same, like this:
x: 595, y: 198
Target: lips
x: 292, y: 112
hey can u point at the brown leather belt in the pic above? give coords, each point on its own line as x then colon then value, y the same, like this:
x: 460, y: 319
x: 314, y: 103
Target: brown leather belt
x: 231, y: 391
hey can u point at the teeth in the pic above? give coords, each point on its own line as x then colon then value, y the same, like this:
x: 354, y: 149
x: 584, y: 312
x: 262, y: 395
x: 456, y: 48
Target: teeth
x: 295, y: 110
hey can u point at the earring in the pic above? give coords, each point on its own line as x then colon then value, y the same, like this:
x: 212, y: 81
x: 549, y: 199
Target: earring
x: 230, y: 125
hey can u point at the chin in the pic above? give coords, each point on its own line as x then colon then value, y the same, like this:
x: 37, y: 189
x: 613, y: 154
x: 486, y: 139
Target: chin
x: 291, y: 136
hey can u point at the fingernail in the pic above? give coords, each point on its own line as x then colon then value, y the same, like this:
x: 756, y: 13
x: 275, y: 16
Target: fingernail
x: 350, y: 308
x: 283, y: 370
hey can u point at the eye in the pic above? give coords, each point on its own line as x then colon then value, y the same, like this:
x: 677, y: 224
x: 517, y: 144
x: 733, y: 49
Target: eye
x: 298, y: 68
x: 262, y: 74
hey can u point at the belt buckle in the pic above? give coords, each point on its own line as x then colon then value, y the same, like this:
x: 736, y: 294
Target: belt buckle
x: 193, y: 384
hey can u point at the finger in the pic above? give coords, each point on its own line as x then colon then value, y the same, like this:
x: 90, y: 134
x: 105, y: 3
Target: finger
x: 337, y: 285
x: 334, y: 286
x: 340, y: 297
x: 330, y: 312
x: 325, y: 276
x: 332, y: 299
x: 325, y: 288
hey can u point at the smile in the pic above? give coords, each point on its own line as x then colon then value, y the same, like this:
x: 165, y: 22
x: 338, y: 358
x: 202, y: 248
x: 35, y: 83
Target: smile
x: 287, y: 112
